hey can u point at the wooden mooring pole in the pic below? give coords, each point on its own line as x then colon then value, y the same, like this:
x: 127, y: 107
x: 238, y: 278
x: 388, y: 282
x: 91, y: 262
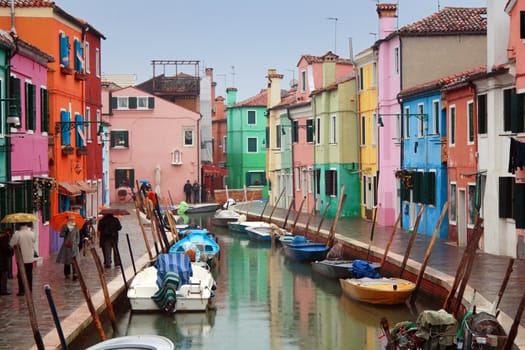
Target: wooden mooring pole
x: 411, y: 241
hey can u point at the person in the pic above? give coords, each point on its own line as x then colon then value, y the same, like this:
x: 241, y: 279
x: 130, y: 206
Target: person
x: 84, y: 235
x: 187, y: 190
x: 196, y: 189
x: 108, y: 228
x: 6, y: 254
x: 25, y: 238
x: 204, y: 193
x: 70, y: 246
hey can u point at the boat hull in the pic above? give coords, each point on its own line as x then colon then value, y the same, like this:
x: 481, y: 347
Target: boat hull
x: 333, y: 268
x: 241, y: 227
x: 153, y: 342
x: 202, y: 208
x: 306, y: 251
x: 259, y: 234
x: 381, y: 291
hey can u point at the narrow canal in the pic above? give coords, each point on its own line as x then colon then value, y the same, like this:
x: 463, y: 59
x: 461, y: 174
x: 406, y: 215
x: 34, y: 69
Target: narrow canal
x: 266, y: 301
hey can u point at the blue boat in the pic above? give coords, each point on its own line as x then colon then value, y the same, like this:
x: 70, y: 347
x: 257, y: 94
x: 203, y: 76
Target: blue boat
x: 199, y: 240
x: 302, y: 250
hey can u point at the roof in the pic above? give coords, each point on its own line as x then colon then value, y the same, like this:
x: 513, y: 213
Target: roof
x: 333, y: 86
x: 259, y: 100
x: 320, y: 59
x: 450, y: 20
x: 50, y: 4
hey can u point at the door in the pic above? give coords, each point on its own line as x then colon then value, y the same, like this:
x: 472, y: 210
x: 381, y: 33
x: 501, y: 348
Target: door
x: 462, y: 218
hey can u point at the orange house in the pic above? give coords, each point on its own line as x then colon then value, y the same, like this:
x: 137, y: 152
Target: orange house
x: 51, y: 29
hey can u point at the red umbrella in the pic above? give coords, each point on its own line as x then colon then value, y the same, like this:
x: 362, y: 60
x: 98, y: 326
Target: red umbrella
x: 59, y: 220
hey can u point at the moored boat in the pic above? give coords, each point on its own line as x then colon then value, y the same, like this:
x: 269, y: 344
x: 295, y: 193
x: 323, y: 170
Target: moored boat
x: 241, y: 226
x: 224, y: 216
x: 147, y: 341
x: 260, y: 234
x: 199, y: 240
x: 303, y: 250
x: 384, y: 290
x: 332, y: 268
x: 202, y: 208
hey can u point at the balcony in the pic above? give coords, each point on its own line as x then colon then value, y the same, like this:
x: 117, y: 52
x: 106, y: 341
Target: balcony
x: 82, y: 151
x: 67, y: 150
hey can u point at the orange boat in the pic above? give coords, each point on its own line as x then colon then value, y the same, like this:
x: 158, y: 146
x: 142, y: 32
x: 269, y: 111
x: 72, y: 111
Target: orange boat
x: 385, y: 291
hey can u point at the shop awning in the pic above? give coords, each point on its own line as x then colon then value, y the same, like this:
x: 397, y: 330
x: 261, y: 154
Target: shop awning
x: 85, y: 187
x: 213, y: 170
x: 69, y: 189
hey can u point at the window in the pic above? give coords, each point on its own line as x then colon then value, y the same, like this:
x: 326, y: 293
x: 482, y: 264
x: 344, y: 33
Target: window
x: 278, y: 136
x: 30, y: 106
x: 522, y: 24
x: 44, y: 110
x: 333, y: 130
x: 310, y: 130
x: 124, y: 177
x: 303, y: 81
x: 424, y: 187
x: 304, y: 186
x: 119, y: 139
x: 471, y: 205
x: 79, y: 56
x: 298, y: 179
x: 452, y: 209
x: 396, y: 60
x: 252, y: 120
x: 295, y: 131
x: 406, y: 122
x: 513, y: 111
x: 506, y: 197
x: 482, y: 114
x: 80, y: 136
x: 435, y: 117
x: 142, y: 102
x: 188, y: 137
x: 88, y: 124
x: 311, y: 181
x: 64, y: 49
x: 99, y: 121
x: 374, y: 74
x: 452, y: 125
x: 420, y: 120
x: 330, y: 180
x: 470, y: 122
x: 363, y: 130
x: 252, y: 144
x: 15, y: 90
x: 374, y: 128
x: 398, y: 127
x: 97, y: 61
x: 256, y: 178
x: 65, y: 133
x: 318, y: 130
x: 176, y: 157
x: 361, y: 79
x: 224, y: 144
x: 122, y: 102
x: 86, y: 56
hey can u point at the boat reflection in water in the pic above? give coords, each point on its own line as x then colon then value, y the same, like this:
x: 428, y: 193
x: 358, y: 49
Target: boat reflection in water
x: 266, y: 301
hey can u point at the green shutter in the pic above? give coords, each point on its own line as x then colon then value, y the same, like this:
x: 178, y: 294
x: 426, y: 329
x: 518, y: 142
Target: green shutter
x: 516, y: 112
x: 44, y: 109
x: 519, y: 205
x: 132, y: 102
x: 114, y: 103
x: 506, y: 189
x: 417, y: 179
x: 431, y: 188
x: 151, y: 102
x: 15, y: 95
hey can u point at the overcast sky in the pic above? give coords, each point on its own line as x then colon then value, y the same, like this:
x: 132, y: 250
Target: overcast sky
x: 239, y: 39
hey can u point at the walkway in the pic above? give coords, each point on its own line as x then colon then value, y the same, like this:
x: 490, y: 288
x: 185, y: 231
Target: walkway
x: 74, y: 315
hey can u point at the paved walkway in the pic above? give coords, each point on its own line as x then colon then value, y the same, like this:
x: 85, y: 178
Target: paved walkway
x: 17, y: 333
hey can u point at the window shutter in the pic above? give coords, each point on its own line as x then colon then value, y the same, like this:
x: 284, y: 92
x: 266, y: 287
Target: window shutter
x: 295, y: 132
x: 519, y: 205
x: 417, y: 179
x: 28, y: 196
x: 65, y: 131
x: 79, y: 129
x: 267, y: 137
x: 506, y: 189
x: 64, y: 50
x: 44, y: 109
x: 151, y: 102
x: 79, y: 58
x: 15, y: 94
x: 114, y: 103
x: 522, y: 24
x: 431, y: 188
x: 132, y: 102
x: 516, y: 112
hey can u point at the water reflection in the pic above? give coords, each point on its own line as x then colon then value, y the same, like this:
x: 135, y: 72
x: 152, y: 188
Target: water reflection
x: 267, y: 301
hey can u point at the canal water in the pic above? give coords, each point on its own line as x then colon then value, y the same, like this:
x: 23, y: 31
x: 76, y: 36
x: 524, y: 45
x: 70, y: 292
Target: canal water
x: 267, y: 301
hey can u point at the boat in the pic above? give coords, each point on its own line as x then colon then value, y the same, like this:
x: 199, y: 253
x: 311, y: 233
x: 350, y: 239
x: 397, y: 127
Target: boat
x: 172, y: 284
x: 482, y: 330
x: 266, y: 233
x: 201, y: 242
x: 199, y: 208
x: 224, y: 216
x: 341, y: 268
x: 383, y: 291
x: 303, y: 250
x: 241, y: 224
x: 151, y: 342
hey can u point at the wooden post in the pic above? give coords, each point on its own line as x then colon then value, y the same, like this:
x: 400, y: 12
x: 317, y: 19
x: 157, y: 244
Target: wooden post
x: 322, y: 218
x: 391, y: 239
x: 331, y: 234
x: 292, y: 229
x: 249, y: 205
x: 153, y: 226
x: 276, y: 203
x: 29, y: 299
x: 58, y: 326
x: 464, y: 282
x: 504, y: 283
x: 104, y: 285
x: 429, y: 251
x: 264, y: 208
x: 137, y: 211
x: 288, y: 213
x: 411, y: 241
x: 87, y: 296
x: 472, y: 245
x: 509, y: 342
x: 308, y: 221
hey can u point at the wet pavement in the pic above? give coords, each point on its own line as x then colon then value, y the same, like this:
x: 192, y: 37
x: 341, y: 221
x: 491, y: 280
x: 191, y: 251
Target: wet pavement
x: 17, y: 331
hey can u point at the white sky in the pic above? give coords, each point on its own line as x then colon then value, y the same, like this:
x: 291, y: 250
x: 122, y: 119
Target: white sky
x: 239, y: 39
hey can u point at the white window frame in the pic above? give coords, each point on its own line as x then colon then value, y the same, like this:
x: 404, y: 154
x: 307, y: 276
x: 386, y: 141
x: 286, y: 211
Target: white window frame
x: 374, y: 128
x: 453, y: 203
x: 184, y: 134
x: 99, y: 121
x: 399, y: 131
x: 396, y: 60
x: 406, y: 117
x: 435, y: 117
x: 333, y: 129
x: 224, y: 144
x: 97, y: 62
x: 248, y: 144
x: 298, y: 179
x: 470, y: 119
x: 374, y: 74
x: 363, y: 130
x: 311, y: 182
x: 86, y: 57
x: 176, y: 157
x: 303, y: 81
x: 248, y: 117
x: 471, y: 204
x: 451, y: 115
x: 122, y: 102
x: 87, y: 118
x: 142, y: 102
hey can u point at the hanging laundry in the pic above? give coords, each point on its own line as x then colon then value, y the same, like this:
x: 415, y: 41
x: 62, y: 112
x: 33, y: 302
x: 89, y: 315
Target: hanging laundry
x: 516, y: 155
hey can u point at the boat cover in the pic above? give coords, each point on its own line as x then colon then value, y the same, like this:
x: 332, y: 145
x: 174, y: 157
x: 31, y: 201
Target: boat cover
x: 362, y: 268
x: 177, y: 263
x: 439, y: 324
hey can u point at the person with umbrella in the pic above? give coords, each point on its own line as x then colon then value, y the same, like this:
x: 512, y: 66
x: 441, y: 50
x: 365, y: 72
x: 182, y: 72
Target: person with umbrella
x: 108, y: 228
x: 25, y: 238
x: 71, y: 234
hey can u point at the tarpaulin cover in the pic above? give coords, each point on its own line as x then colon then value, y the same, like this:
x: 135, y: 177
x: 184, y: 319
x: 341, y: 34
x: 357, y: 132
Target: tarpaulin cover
x: 178, y: 263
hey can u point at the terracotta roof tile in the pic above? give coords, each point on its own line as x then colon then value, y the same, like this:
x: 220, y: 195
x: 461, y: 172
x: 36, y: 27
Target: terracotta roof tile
x: 259, y: 100
x: 27, y: 3
x: 319, y: 59
x: 451, y: 20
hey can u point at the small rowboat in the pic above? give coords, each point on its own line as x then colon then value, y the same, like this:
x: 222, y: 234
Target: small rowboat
x: 384, y: 291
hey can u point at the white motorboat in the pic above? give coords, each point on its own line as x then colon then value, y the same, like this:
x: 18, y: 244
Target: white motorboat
x: 150, y: 342
x: 173, y: 284
x: 224, y: 216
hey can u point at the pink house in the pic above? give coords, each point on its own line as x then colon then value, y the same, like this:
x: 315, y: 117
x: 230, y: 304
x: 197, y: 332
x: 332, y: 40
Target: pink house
x: 150, y: 139
x: 29, y: 142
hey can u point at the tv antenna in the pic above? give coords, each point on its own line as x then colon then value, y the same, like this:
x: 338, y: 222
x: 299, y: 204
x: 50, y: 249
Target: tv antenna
x: 335, y: 19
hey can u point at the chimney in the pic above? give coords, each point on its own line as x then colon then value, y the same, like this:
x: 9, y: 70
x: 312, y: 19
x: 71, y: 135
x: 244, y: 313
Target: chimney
x: 274, y: 87
x: 387, y: 19
x: 231, y: 96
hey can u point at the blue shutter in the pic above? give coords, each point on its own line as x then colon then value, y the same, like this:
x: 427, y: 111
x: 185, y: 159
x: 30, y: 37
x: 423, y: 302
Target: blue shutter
x: 65, y: 131
x: 79, y: 58
x: 79, y: 128
x: 64, y: 50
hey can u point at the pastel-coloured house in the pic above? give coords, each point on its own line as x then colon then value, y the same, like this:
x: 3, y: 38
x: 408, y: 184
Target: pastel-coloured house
x: 150, y: 139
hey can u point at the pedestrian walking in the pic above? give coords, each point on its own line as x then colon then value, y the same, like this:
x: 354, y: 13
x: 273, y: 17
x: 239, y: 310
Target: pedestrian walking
x: 204, y: 193
x: 70, y: 247
x: 6, y: 254
x: 187, y: 191
x: 196, y: 189
x: 25, y: 238
x: 108, y: 228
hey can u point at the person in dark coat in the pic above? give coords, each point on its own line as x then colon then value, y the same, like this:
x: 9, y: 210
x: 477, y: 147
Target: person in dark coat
x: 6, y: 254
x: 196, y: 189
x: 204, y: 193
x: 108, y: 228
x: 70, y: 246
x: 188, y: 189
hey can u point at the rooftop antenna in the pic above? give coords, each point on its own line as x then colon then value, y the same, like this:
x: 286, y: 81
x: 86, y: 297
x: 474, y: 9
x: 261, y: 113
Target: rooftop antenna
x: 335, y: 19
x: 233, y: 75
x: 293, y: 82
